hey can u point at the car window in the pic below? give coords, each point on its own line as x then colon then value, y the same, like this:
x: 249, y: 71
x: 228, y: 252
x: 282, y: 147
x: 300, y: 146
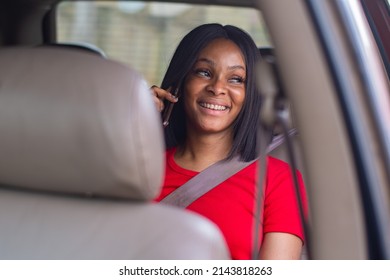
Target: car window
x: 145, y: 34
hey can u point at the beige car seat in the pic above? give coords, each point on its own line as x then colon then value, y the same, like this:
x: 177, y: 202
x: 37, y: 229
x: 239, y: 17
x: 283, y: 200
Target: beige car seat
x: 278, y: 146
x: 81, y: 158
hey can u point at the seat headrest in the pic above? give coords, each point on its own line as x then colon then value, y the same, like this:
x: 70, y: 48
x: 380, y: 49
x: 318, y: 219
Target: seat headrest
x: 267, y: 53
x: 84, y: 47
x: 76, y: 123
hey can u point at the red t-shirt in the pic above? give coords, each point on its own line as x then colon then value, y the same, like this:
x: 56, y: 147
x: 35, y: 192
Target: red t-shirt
x: 230, y: 205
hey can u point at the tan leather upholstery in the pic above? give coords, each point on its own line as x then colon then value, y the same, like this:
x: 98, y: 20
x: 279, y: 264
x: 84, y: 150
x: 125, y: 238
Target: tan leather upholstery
x: 86, y: 47
x: 75, y: 126
x: 81, y: 157
x: 281, y: 152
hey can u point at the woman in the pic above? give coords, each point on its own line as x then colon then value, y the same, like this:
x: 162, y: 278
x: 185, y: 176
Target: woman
x: 214, y: 118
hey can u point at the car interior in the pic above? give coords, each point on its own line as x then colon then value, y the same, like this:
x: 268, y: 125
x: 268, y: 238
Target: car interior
x: 80, y: 166
x: 82, y: 152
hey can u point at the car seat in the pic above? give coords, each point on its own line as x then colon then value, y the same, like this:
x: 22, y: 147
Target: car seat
x: 85, y: 47
x: 82, y: 158
x: 277, y: 147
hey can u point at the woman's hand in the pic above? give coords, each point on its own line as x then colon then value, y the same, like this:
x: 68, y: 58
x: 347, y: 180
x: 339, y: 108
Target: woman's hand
x: 159, y: 95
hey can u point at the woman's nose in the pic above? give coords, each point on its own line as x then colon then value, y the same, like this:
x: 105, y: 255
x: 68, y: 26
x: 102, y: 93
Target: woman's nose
x: 217, y: 86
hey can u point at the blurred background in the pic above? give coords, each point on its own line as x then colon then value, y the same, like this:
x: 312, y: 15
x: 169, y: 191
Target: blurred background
x: 145, y: 34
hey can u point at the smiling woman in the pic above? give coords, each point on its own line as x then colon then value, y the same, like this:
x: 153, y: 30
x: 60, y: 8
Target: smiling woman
x: 215, y: 90
x: 214, y: 120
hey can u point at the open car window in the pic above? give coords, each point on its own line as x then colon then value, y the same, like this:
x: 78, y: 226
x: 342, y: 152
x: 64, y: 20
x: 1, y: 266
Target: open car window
x: 145, y: 34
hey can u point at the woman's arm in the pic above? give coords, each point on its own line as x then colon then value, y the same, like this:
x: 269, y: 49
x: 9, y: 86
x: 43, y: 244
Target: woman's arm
x: 281, y: 246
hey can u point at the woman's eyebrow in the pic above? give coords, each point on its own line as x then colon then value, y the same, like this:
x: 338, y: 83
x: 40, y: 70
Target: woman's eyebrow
x: 212, y: 63
x: 236, y: 67
x: 206, y: 60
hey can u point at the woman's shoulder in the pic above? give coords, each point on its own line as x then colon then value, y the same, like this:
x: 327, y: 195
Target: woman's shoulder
x: 275, y: 166
x: 277, y: 163
x: 272, y: 162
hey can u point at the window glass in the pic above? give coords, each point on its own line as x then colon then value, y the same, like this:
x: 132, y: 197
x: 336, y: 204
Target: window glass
x: 145, y: 34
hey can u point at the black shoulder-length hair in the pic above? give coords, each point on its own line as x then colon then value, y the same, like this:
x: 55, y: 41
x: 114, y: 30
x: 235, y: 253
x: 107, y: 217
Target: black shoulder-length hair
x: 182, y: 62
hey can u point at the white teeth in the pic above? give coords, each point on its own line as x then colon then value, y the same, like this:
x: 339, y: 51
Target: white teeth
x: 213, y: 106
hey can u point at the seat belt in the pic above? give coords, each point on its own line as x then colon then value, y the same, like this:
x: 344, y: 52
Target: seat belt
x: 205, y: 181
x: 214, y: 175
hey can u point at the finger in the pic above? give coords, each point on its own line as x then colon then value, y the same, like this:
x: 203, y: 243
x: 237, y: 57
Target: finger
x: 158, y: 101
x: 153, y: 90
x: 159, y: 104
x: 171, y: 97
x: 164, y: 94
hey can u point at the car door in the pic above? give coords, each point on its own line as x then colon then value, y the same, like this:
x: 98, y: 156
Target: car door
x: 336, y: 80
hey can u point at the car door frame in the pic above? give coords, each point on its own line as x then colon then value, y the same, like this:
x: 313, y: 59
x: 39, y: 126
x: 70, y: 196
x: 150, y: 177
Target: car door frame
x: 340, y: 120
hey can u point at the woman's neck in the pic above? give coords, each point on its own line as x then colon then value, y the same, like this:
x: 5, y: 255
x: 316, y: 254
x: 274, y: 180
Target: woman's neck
x: 201, y: 151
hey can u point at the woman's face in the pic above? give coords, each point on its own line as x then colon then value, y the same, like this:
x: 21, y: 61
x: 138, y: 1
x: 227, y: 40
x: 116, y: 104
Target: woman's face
x: 215, y: 87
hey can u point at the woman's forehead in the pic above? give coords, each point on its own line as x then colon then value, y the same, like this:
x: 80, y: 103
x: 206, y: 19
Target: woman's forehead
x: 222, y: 49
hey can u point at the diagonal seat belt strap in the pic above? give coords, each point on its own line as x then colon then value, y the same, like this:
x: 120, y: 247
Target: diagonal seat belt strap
x: 213, y: 176
x: 204, y: 182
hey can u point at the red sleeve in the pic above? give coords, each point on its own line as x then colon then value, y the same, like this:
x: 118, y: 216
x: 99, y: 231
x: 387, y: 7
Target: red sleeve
x: 281, y: 211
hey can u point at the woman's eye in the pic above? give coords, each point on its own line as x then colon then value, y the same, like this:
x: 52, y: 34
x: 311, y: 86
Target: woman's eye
x: 237, y: 80
x: 203, y: 72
